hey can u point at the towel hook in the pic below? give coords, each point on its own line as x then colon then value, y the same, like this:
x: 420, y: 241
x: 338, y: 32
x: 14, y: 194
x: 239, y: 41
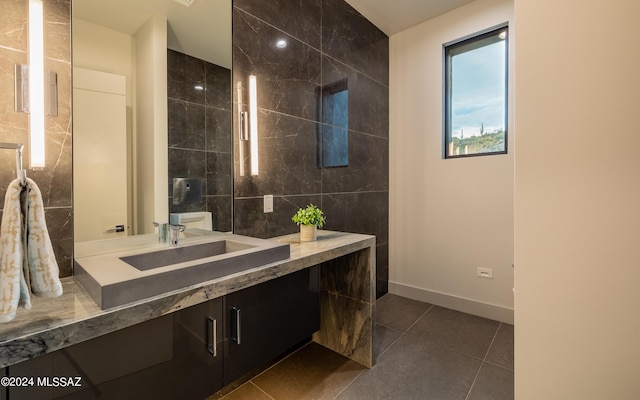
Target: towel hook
x: 18, y: 147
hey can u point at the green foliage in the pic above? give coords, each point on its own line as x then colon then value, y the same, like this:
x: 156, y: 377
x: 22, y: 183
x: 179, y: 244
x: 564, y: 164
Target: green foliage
x: 485, y: 143
x: 311, y: 215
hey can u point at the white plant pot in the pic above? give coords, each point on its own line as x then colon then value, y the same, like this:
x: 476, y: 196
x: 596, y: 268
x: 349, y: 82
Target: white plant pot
x: 308, y: 233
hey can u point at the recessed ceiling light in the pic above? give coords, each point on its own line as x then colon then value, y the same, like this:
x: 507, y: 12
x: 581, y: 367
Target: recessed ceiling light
x: 281, y: 44
x: 198, y: 87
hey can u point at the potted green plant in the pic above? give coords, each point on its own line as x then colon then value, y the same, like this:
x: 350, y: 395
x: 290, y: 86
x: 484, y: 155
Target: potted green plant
x: 309, y: 219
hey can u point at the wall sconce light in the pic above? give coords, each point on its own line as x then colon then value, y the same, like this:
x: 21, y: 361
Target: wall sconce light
x: 30, y: 86
x: 253, y: 123
x: 248, y: 126
x: 36, y: 84
x: 243, y: 127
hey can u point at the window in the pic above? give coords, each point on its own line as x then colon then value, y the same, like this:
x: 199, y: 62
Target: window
x: 476, y: 95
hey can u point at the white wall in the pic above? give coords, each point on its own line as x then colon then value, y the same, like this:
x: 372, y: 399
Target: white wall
x: 447, y: 217
x: 152, y: 175
x: 101, y: 49
x: 577, y: 200
x: 142, y: 59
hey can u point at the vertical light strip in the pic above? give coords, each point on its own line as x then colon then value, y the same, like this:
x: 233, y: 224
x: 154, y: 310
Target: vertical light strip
x: 240, y: 128
x: 253, y: 123
x: 36, y: 84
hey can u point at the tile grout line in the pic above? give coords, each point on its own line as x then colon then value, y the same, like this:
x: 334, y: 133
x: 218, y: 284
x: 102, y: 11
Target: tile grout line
x: 486, y: 354
x: 419, y: 318
x: 262, y: 372
x: 260, y: 389
x: 350, y: 383
x: 498, y: 365
x: 319, y: 50
x: 402, y: 334
x: 406, y: 331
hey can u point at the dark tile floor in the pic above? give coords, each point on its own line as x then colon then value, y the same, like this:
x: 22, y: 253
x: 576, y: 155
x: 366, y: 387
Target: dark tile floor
x: 425, y: 352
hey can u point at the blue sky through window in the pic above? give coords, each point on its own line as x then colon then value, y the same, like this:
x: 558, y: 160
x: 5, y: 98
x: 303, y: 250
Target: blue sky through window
x: 478, y: 90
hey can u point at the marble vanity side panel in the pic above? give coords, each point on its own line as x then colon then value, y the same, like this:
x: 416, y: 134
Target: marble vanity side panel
x: 299, y: 18
x: 382, y: 269
x: 347, y: 306
x: 348, y: 276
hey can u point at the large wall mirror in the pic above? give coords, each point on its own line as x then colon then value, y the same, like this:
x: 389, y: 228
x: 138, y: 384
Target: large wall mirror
x: 151, y: 114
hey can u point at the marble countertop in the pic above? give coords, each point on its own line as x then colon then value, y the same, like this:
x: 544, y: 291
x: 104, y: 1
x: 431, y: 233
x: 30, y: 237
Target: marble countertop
x: 53, y: 324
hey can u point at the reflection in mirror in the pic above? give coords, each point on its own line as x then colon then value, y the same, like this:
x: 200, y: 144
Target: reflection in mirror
x: 152, y: 104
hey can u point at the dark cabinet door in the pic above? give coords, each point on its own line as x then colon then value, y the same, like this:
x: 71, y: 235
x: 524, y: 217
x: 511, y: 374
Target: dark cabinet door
x: 171, y: 357
x: 265, y: 320
x: 120, y: 365
x: 198, y: 342
x: 180, y: 355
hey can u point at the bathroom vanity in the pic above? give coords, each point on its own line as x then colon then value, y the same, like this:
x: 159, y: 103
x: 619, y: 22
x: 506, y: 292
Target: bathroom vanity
x: 192, y: 341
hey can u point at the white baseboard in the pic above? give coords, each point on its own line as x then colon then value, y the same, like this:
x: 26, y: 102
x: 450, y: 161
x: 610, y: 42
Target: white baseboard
x: 491, y: 311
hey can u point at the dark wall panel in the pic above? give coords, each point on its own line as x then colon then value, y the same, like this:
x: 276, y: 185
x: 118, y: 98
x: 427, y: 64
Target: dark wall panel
x: 323, y: 105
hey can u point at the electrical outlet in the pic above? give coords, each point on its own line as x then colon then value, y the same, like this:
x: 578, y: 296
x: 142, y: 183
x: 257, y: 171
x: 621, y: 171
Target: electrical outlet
x: 484, y: 273
x: 268, y: 203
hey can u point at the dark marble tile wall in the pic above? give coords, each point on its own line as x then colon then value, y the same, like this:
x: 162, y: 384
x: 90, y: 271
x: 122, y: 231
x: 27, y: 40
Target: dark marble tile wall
x: 55, y: 180
x: 200, y: 134
x: 327, y: 42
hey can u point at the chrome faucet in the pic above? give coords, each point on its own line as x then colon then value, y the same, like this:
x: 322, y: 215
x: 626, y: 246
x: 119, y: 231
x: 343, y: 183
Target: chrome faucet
x: 175, y: 234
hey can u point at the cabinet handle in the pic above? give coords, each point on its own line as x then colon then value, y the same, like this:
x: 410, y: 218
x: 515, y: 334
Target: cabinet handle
x: 212, y: 337
x: 238, y: 324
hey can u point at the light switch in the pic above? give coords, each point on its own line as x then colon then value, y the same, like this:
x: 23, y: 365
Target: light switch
x: 268, y: 203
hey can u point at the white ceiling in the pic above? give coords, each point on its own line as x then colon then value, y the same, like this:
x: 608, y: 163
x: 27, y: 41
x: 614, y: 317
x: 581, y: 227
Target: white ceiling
x: 204, y: 29
x: 393, y: 16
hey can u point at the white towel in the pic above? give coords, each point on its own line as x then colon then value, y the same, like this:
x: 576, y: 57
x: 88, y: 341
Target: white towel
x: 12, y: 280
x: 23, y: 231
x: 43, y: 268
